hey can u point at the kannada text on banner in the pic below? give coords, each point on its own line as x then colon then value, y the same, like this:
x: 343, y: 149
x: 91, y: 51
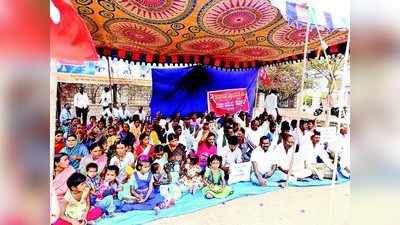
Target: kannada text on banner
x: 228, y: 101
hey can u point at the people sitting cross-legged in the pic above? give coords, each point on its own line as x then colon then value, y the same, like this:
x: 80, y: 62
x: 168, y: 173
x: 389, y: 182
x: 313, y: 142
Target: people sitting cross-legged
x: 263, y: 163
x: 163, y: 183
x: 214, y: 179
x: 123, y: 160
x: 314, y: 160
x: 106, y: 195
x: 142, y: 189
x: 231, y: 154
x: 191, y: 180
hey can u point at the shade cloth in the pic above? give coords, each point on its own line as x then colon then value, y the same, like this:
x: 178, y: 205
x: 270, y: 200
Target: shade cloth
x: 185, y: 90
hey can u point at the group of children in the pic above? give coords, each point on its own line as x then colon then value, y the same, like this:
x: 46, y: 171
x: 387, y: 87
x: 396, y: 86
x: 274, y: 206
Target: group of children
x: 149, y: 167
x: 155, y: 183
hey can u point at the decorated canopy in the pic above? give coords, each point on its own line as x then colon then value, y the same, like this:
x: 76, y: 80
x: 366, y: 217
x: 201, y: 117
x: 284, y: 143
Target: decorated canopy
x: 236, y: 32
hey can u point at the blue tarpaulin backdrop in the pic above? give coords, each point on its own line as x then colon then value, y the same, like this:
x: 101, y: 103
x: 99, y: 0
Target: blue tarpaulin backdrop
x: 185, y: 90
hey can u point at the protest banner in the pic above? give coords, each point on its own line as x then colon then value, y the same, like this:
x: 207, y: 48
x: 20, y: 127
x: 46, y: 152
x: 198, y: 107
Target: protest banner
x: 228, y: 101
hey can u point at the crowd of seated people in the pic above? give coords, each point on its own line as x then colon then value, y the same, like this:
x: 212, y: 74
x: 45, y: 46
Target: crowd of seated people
x: 124, y: 164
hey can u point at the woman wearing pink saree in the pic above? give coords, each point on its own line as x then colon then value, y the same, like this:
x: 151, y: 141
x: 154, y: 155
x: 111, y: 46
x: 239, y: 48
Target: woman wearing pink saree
x: 97, y: 156
x: 62, y: 171
x: 144, y: 148
x: 205, y: 149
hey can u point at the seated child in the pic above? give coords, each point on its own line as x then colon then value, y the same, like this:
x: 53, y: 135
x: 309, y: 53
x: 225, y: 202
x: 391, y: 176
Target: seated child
x: 141, y: 184
x: 160, y: 156
x: 75, y: 208
x: 93, y: 181
x: 163, y: 185
x: 107, y: 192
x: 173, y: 166
x: 125, y: 194
x: 111, y: 139
x: 191, y: 180
x: 214, y: 179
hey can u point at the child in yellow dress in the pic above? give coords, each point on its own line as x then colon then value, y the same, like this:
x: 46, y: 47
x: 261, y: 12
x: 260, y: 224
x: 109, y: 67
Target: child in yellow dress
x: 75, y: 209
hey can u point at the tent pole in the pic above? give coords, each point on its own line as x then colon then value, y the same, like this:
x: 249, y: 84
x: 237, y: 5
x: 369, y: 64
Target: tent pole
x: 256, y: 98
x: 109, y: 79
x: 300, y: 101
x: 333, y: 84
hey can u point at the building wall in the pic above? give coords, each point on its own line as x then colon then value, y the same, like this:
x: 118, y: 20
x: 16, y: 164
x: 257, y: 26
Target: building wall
x: 134, y: 96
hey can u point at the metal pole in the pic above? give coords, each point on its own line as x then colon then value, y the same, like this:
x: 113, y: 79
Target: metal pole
x: 300, y: 102
x: 256, y: 98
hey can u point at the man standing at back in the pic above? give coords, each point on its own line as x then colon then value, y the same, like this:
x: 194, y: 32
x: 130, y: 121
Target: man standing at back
x: 81, y: 103
x: 141, y: 113
x: 271, y: 103
x: 106, y: 98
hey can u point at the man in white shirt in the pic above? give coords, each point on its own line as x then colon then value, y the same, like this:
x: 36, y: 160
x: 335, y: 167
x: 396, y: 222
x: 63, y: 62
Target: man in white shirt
x: 271, y: 104
x: 231, y: 154
x: 238, y: 119
x: 141, y: 113
x: 123, y: 113
x: 284, y: 152
x: 184, y: 138
x: 293, y: 126
x: 308, y: 161
x: 342, y: 146
x: 302, y: 135
x: 81, y: 103
x: 110, y: 112
x: 253, y: 134
x: 106, y: 98
x: 273, y: 135
x: 263, y: 162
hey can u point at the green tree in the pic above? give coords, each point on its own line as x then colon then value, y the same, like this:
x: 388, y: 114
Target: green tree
x: 329, y: 68
x: 286, y: 79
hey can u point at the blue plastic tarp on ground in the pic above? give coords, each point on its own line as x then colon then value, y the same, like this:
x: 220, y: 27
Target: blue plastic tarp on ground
x: 190, y: 203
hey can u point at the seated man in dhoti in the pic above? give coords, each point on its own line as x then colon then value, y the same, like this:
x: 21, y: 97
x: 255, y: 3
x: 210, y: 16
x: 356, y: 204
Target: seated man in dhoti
x: 314, y: 161
x: 341, y: 145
